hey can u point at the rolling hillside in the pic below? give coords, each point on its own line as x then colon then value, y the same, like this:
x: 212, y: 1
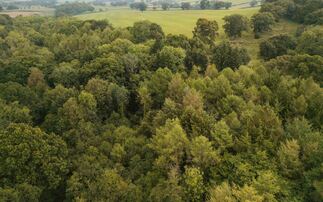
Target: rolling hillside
x: 172, y: 21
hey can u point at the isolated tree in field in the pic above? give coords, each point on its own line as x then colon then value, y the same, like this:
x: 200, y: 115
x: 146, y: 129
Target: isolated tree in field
x: 139, y: 6
x: 1, y: 9
x: 227, y: 5
x: 186, y: 5
x: 262, y: 22
x: 226, y: 55
x: 276, y: 46
x: 165, y: 6
x: 142, y: 6
x: 235, y: 24
x: 204, y: 4
x: 206, y: 30
x: 253, y: 3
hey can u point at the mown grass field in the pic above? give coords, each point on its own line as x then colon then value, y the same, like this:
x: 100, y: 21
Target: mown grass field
x: 172, y: 21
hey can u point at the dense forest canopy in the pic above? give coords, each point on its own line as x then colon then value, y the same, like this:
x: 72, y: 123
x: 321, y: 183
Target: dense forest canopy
x: 90, y: 112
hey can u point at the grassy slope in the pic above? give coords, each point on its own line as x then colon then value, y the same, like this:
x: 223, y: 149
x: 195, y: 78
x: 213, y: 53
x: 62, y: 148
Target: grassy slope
x: 172, y: 21
x: 182, y: 22
x: 252, y: 45
x: 34, y: 10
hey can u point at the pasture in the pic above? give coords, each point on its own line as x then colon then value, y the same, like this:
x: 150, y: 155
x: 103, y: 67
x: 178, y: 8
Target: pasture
x: 183, y: 22
x: 172, y: 21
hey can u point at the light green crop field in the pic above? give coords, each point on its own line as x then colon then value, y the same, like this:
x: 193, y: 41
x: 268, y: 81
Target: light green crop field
x: 172, y: 21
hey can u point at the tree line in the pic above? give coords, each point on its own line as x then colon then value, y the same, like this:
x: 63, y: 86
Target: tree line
x: 204, y: 4
x: 69, y: 9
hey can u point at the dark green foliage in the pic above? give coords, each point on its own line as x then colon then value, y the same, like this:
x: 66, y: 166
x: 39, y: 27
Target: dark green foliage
x: 226, y: 55
x: 204, y: 4
x: 278, y: 9
x: 206, y: 30
x: 309, y: 12
x: 235, y: 24
x: 311, y: 42
x: 276, y: 46
x: 253, y: 3
x: 221, y: 4
x: 216, y: 5
x: 145, y: 30
x: 300, y: 66
x: 165, y: 6
x: 116, y: 3
x: 28, y: 155
x: 13, y: 113
x: 170, y: 57
x: 177, y: 41
x: 21, y: 192
x: 5, y: 20
x: 47, y: 3
x: 197, y: 54
x: 72, y: 9
x: 139, y: 6
x: 185, y: 5
x: 262, y: 22
x: 315, y: 18
x: 12, y: 7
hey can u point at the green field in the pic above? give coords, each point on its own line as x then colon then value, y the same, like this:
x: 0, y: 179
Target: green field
x: 183, y: 22
x: 172, y: 21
